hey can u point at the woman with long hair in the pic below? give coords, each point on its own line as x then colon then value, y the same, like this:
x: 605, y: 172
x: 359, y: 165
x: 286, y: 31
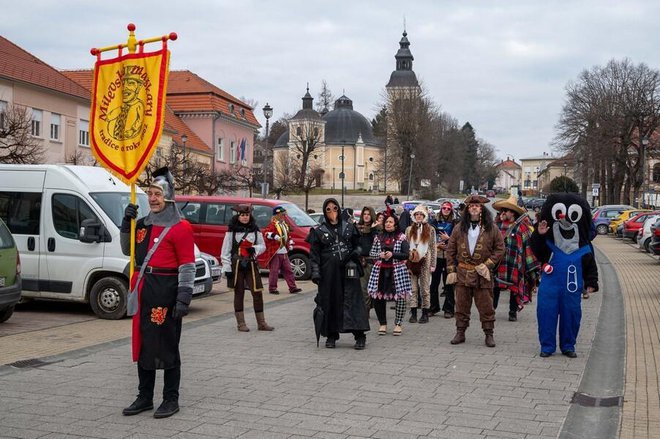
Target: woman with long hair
x: 389, y: 278
x: 444, y: 225
x: 242, y: 244
x: 421, y: 263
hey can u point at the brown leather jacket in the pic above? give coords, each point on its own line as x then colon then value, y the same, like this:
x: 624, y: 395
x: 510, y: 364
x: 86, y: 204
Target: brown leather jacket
x: 489, y: 250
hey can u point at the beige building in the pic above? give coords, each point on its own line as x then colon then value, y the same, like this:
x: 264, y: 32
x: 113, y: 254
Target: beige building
x: 509, y: 173
x: 344, y: 148
x: 531, y: 169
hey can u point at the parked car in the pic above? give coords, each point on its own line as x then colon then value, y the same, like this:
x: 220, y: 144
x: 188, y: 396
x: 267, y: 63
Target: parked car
x: 210, y: 216
x: 632, y: 226
x: 490, y: 193
x: 10, y: 273
x: 654, y: 246
x: 214, y: 265
x: 317, y: 216
x: 644, y: 236
x: 624, y: 216
x: 604, y: 214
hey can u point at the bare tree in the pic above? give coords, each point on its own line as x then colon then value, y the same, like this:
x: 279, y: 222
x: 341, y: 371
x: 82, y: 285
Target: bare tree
x: 326, y: 99
x: 304, y: 154
x: 607, y: 111
x: 283, y: 178
x: 187, y: 172
x: 17, y: 145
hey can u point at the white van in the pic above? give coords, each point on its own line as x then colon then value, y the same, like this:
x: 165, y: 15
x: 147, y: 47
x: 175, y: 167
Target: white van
x: 65, y: 220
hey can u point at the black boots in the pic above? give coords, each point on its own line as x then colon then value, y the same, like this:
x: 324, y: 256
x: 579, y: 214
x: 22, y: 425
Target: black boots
x: 425, y: 316
x: 413, y: 315
x: 140, y: 405
x: 513, y: 316
x: 360, y: 343
x: 167, y: 409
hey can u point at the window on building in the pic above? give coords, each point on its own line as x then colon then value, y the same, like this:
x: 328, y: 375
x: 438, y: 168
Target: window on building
x: 3, y: 116
x: 656, y: 173
x: 299, y: 131
x: 83, y: 132
x: 232, y: 152
x: 231, y: 108
x: 243, y: 113
x: 220, y: 150
x: 37, y: 117
x: 55, y: 123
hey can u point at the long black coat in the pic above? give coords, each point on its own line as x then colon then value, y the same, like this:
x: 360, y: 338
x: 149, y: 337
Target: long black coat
x: 339, y: 297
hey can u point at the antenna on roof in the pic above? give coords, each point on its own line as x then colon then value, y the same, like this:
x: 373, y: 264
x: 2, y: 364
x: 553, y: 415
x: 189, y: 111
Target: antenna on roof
x: 404, y: 22
x: 308, y: 87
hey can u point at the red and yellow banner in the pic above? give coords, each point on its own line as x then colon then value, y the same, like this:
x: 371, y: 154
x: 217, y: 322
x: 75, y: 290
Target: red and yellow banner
x: 128, y: 102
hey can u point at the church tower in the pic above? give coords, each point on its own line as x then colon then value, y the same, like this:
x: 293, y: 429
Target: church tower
x: 403, y: 86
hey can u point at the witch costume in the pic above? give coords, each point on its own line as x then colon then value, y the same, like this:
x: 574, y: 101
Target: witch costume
x: 334, y: 259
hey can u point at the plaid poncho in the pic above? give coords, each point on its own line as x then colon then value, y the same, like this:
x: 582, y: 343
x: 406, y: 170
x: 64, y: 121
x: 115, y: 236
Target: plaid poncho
x: 519, y: 269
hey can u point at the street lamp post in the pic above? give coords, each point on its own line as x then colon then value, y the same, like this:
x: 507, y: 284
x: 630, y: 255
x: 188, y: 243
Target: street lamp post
x: 644, y: 145
x: 268, y: 113
x: 412, y: 157
x: 341, y: 174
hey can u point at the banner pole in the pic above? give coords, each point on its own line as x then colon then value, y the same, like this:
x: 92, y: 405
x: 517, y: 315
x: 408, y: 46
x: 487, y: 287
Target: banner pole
x: 132, y: 256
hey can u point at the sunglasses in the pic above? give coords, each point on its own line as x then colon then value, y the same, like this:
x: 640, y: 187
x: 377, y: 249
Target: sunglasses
x: 331, y: 209
x: 505, y: 211
x: 446, y: 208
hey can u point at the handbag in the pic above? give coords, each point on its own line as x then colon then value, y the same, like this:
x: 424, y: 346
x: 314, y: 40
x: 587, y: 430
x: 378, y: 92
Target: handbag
x: 414, y: 262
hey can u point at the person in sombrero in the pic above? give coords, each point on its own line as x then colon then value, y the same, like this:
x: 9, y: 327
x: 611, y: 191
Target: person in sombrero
x: 519, y: 269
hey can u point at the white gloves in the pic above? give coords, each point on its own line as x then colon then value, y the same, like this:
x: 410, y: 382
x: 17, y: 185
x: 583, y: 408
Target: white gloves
x: 451, y: 278
x: 290, y: 247
x: 483, y: 271
x: 277, y: 237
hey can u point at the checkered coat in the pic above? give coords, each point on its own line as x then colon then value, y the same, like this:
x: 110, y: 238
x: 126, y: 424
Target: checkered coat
x: 402, y: 284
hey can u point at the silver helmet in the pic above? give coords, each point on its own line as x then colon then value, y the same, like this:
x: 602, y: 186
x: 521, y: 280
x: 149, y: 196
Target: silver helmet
x: 163, y: 180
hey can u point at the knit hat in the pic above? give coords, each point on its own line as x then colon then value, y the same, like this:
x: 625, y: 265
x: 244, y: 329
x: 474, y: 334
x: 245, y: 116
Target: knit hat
x: 420, y: 208
x: 278, y: 210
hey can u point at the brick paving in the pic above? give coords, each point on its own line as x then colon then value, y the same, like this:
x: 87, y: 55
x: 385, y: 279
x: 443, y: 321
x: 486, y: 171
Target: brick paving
x: 272, y: 385
x: 639, y: 277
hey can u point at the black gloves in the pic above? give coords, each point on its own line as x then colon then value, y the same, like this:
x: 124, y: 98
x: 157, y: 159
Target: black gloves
x: 180, y: 310
x: 316, y: 279
x: 251, y: 251
x: 229, y: 274
x: 131, y: 212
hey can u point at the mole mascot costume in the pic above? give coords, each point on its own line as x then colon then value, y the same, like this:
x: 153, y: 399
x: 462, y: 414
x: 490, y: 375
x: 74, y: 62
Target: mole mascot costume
x: 561, y: 242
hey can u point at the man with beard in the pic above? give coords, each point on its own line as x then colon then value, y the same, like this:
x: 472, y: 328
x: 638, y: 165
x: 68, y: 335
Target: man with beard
x: 334, y: 259
x: 474, y: 248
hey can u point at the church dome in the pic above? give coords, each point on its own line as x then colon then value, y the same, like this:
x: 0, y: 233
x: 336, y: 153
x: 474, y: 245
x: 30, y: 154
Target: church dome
x: 344, y: 125
x: 283, y: 140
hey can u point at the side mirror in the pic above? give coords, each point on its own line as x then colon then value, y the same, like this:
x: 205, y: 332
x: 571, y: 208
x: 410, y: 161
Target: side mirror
x: 92, y: 230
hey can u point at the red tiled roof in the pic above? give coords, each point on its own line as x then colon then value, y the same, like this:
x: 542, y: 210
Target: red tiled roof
x: 85, y: 78
x: 508, y: 164
x: 18, y: 65
x: 188, y: 92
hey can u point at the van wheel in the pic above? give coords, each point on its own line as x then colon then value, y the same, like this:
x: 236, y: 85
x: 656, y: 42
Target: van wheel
x: 5, y: 313
x: 108, y: 298
x: 601, y: 229
x: 300, y: 266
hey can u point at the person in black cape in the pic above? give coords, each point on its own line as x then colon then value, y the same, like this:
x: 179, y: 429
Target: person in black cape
x: 334, y: 260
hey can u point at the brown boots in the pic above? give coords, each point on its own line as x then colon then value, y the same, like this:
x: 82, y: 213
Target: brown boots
x: 459, y: 337
x: 240, y: 322
x: 261, y: 322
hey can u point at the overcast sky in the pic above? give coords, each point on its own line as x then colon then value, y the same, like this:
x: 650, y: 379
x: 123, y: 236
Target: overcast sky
x: 500, y: 65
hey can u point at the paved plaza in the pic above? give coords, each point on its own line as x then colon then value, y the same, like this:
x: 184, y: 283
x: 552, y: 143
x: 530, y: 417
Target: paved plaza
x: 280, y: 385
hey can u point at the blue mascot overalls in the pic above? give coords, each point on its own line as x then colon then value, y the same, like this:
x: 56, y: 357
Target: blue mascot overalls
x: 561, y: 242
x: 559, y: 298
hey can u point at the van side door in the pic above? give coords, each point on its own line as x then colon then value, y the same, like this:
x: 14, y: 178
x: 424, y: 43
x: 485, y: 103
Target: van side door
x: 66, y: 261
x: 22, y: 212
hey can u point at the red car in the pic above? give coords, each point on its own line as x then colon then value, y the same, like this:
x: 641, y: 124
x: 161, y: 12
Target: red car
x: 210, y: 216
x: 634, y: 224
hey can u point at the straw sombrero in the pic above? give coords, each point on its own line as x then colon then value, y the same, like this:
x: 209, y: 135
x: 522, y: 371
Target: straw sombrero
x: 510, y: 203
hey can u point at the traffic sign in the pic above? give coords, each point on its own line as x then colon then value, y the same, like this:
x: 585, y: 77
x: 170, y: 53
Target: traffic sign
x: 595, y: 191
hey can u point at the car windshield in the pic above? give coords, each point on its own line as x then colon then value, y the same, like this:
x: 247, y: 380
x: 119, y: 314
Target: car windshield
x: 114, y: 203
x: 299, y: 217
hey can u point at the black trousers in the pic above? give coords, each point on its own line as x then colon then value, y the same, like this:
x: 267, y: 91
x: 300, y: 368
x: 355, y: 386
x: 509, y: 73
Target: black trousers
x: 439, y: 274
x: 513, y: 304
x: 172, y: 379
